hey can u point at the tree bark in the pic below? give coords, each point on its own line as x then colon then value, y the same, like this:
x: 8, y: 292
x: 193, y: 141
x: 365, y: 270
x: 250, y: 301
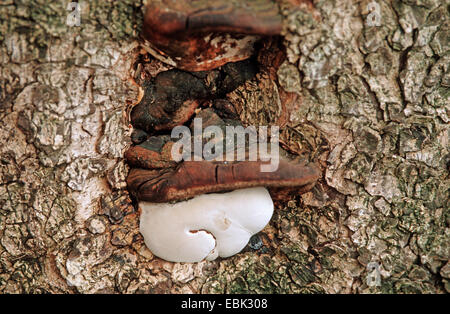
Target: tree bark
x: 370, y: 81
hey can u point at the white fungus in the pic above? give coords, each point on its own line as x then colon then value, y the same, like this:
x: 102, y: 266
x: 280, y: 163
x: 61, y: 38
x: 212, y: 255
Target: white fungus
x: 206, y: 226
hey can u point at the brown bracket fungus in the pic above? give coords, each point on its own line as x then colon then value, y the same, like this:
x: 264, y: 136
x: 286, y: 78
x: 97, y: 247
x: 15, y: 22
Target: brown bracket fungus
x: 156, y: 177
x: 193, y: 178
x: 199, y: 208
x: 171, y: 98
x: 203, y: 35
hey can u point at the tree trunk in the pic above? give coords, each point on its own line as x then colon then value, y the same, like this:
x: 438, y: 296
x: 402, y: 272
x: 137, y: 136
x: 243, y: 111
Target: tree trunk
x: 371, y: 83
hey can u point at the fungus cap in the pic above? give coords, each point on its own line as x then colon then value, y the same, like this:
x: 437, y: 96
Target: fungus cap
x: 202, y: 35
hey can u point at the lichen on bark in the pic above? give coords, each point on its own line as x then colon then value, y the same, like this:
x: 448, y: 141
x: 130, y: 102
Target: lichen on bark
x: 371, y: 105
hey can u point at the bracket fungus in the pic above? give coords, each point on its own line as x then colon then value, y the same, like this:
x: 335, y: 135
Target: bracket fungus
x: 203, y: 35
x: 203, y: 208
x: 195, y: 210
x: 206, y: 226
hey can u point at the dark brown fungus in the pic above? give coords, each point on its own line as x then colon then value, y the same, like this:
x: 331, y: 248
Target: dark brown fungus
x: 206, y: 34
x: 171, y: 98
x: 193, y: 178
x: 155, y: 177
x: 210, y: 44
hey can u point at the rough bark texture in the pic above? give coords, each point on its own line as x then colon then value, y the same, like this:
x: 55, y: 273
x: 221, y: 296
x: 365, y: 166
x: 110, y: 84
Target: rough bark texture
x: 372, y: 106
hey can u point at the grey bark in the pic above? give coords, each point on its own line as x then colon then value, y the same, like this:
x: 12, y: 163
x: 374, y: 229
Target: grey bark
x: 373, y: 108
